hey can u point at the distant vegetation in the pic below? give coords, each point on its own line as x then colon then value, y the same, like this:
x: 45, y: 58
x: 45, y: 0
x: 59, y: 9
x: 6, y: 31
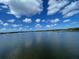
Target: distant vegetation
x: 73, y: 29
x: 54, y: 30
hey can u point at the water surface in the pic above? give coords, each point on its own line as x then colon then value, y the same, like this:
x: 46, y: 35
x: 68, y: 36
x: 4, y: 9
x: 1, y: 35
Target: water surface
x: 40, y: 45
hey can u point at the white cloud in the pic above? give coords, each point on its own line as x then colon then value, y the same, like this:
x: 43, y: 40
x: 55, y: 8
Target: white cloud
x: 52, y: 25
x: 5, y: 24
x: 71, y: 13
x: 33, y: 7
x: 71, y: 9
x: 67, y: 20
x: 55, y: 20
x: 38, y: 20
x: 38, y: 26
x: 27, y: 20
x: 11, y: 20
x: 48, y: 26
x: 16, y: 25
x: 56, y: 5
x: 4, y: 1
x: 12, y: 13
x: 24, y: 7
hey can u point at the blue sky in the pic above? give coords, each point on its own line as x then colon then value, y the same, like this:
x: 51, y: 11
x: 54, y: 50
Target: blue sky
x: 27, y: 15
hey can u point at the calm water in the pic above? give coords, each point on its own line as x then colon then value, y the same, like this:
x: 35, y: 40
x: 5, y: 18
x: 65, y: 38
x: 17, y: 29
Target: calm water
x: 40, y: 45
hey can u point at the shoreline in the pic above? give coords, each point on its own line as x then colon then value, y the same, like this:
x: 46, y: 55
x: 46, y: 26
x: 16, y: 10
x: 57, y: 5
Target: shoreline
x: 57, y: 30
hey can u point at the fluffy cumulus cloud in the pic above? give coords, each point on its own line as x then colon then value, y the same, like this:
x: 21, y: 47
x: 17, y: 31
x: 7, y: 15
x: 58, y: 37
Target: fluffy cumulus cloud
x: 38, y: 26
x: 48, y: 26
x: 27, y: 20
x: 5, y: 24
x: 54, y: 25
x: 71, y: 9
x: 67, y: 20
x: 24, y: 7
x: 38, y: 20
x: 4, y: 1
x: 56, y: 5
x: 11, y: 20
x: 55, y: 20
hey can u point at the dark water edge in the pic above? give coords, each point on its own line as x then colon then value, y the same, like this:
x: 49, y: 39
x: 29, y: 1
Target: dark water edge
x: 35, y: 31
x: 50, y: 30
x: 40, y: 45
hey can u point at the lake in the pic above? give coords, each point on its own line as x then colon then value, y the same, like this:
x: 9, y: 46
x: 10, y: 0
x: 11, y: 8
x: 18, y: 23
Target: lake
x: 40, y: 45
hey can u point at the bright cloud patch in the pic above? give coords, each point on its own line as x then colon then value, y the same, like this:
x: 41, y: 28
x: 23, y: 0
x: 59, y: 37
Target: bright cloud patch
x: 67, y: 20
x: 56, y: 5
x: 38, y: 26
x: 71, y: 9
x: 11, y: 20
x: 4, y: 1
x: 24, y: 7
x: 71, y: 13
x: 27, y: 20
x: 63, y: 6
x: 48, y: 26
x: 55, y: 20
x: 5, y: 24
x: 38, y: 20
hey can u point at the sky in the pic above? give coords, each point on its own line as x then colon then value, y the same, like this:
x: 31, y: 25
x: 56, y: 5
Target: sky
x: 25, y: 15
